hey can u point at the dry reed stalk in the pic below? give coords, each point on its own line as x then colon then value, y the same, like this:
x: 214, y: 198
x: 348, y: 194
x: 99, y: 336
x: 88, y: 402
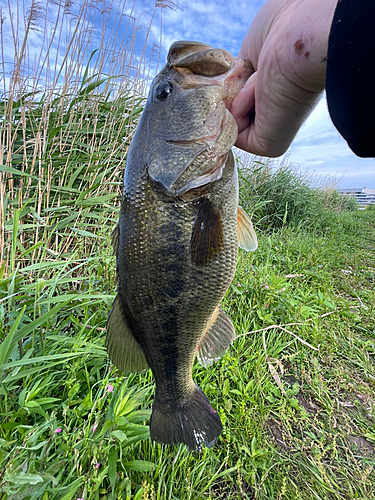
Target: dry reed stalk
x: 54, y: 115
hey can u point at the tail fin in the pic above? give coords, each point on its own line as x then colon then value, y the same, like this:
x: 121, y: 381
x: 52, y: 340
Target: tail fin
x: 194, y: 423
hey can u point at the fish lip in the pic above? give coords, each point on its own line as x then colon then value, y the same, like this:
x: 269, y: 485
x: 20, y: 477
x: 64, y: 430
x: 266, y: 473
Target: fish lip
x: 231, y: 81
x: 236, y: 78
x: 199, y: 58
x: 187, y: 47
x: 207, y: 63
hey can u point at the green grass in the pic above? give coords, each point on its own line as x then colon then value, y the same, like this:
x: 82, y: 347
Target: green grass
x: 298, y: 422
x: 284, y: 196
x: 295, y: 391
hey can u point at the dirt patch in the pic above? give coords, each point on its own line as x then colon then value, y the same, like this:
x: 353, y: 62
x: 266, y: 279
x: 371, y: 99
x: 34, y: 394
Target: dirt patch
x: 222, y: 490
x: 277, y: 433
x: 309, y: 406
x: 361, y: 444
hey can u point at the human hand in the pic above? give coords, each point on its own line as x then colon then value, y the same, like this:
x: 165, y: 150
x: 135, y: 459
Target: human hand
x: 287, y: 46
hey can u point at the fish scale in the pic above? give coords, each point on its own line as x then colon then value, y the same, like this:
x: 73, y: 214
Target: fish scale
x: 176, y: 248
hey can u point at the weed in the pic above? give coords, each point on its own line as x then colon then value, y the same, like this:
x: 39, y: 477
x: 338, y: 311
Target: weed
x: 295, y: 392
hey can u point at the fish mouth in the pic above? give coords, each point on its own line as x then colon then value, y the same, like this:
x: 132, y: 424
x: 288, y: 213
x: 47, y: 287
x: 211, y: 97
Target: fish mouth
x: 201, y: 64
x: 209, y: 63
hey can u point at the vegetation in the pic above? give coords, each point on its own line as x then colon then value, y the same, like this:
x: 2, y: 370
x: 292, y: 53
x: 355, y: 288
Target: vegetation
x: 296, y: 390
x: 284, y: 196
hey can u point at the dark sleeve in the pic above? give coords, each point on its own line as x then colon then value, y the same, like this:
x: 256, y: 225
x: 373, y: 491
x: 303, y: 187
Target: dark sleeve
x: 350, y: 80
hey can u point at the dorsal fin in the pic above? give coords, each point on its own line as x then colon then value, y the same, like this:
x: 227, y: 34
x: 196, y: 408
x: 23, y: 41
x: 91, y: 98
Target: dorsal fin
x: 123, y: 349
x: 207, y: 238
x: 247, y: 239
x: 218, y: 337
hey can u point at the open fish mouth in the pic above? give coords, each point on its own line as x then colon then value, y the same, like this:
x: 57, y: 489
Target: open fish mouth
x: 199, y: 58
x: 201, y: 64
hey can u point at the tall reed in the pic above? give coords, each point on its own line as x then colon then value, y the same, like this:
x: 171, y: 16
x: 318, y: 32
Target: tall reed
x: 73, y: 90
x: 71, y: 99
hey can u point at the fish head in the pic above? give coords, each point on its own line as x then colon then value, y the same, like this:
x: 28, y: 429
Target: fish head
x: 189, y: 127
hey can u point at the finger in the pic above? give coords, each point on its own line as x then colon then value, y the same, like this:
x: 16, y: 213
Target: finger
x: 243, y: 105
x: 275, y: 124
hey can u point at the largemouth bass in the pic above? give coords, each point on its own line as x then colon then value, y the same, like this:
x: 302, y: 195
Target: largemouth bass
x: 177, y: 239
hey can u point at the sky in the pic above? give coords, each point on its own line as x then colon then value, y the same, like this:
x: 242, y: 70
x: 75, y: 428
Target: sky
x: 318, y: 148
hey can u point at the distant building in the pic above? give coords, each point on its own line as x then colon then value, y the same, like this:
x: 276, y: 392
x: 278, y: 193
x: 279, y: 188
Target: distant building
x: 365, y: 196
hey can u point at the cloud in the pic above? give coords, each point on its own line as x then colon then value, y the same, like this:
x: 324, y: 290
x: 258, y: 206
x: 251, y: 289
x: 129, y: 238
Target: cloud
x: 220, y: 23
x: 320, y: 148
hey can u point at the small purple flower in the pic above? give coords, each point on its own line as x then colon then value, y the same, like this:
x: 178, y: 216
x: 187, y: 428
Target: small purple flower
x: 94, y: 427
x: 97, y: 465
x: 110, y: 388
x: 58, y: 430
x: 267, y: 287
x: 80, y: 499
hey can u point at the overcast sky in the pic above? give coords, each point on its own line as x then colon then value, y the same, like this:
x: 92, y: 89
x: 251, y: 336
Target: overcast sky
x: 317, y: 148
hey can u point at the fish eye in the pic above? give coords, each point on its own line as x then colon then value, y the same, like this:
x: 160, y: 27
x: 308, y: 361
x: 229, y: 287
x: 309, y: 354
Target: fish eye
x: 164, y: 90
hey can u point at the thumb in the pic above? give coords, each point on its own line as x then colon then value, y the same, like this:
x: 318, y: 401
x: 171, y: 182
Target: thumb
x: 244, y: 104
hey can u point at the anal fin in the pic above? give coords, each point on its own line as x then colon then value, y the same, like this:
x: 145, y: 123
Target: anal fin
x: 218, y: 337
x: 247, y: 239
x: 123, y: 349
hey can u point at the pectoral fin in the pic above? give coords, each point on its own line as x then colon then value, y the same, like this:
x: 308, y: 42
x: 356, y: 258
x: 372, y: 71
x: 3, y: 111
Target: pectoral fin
x: 123, y: 349
x: 247, y: 239
x: 218, y: 337
x: 207, y: 238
